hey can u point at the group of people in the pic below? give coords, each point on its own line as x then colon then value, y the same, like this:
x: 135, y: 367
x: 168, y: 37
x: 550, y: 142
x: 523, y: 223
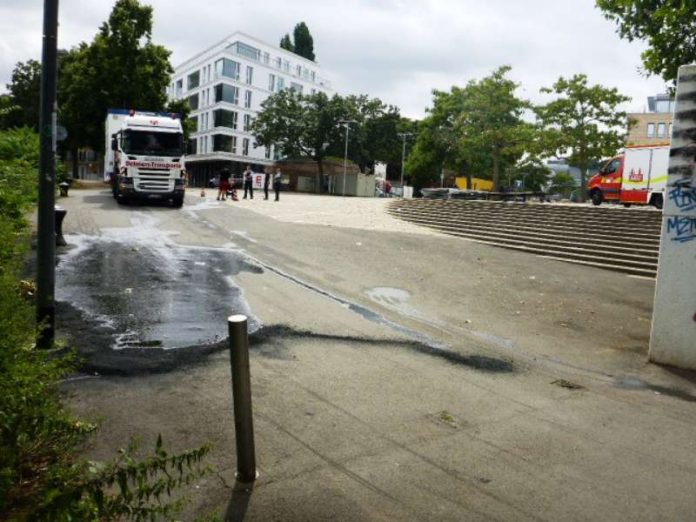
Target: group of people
x: 227, y: 188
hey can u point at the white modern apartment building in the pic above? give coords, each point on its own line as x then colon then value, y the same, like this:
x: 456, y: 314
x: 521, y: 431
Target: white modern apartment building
x: 225, y: 86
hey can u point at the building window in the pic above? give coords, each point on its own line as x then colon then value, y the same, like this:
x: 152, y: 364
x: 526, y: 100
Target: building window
x: 661, y: 127
x: 296, y: 87
x: 245, y: 147
x: 193, y: 80
x: 226, y: 93
x: 271, y: 82
x: 192, y: 146
x: 224, y: 143
x: 313, y: 75
x: 266, y: 58
x: 193, y: 123
x: 223, y: 118
x: 179, y: 88
x: 670, y: 130
x: 227, y: 68
x: 298, y: 70
x: 286, y: 65
x: 249, y: 74
x: 247, y: 122
x: 193, y: 102
x: 247, y: 99
x: 651, y: 130
x: 246, y: 50
x: 278, y: 62
x: 280, y: 85
x: 268, y: 153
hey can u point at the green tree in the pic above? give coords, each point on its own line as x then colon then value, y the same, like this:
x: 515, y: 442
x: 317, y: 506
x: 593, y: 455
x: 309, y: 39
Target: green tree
x: 562, y: 183
x: 584, y: 122
x: 475, y: 129
x: 120, y: 68
x: 286, y: 43
x: 25, y: 90
x: 668, y: 26
x: 533, y: 174
x: 304, y: 43
x: 301, y: 125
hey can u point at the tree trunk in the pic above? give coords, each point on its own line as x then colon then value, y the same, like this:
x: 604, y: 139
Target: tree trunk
x: 496, y: 173
x: 75, y: 167
x: 320, y: 176
x: 583, y: 182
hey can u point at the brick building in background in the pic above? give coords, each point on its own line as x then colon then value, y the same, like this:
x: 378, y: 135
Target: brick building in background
x: 653, y: 127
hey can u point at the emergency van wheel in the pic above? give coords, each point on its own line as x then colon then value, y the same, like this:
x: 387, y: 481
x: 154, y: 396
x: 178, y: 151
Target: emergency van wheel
x: 627, y: 205
x: 178, y: 202
x: 657, y: 201
x: 596, y: 197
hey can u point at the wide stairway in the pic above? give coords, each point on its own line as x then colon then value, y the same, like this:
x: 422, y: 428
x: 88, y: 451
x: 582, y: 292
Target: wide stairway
x: 615, y: 238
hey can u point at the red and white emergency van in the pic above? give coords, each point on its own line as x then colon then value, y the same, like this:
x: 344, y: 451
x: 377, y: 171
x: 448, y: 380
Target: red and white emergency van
x: 636, y: 177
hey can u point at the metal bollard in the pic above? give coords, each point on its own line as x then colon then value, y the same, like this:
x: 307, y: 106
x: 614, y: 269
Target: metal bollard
x: 241, y: 395
x: 59, y: 216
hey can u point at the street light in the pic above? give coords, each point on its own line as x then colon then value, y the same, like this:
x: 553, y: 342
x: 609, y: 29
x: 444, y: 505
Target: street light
x: 403, y: 136
x: 346, y: 124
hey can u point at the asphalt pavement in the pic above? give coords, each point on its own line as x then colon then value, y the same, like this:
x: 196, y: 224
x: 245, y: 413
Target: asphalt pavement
x: 395, y: 374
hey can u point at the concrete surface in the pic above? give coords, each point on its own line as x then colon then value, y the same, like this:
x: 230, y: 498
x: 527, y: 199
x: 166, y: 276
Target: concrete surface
x: 411, y: 376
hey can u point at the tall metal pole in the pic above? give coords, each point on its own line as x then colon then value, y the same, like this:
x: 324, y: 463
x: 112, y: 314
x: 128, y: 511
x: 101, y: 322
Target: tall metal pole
x: 46, y: 243
x: 403, y: 135
x: 241, y: 396
x: 345, y: 159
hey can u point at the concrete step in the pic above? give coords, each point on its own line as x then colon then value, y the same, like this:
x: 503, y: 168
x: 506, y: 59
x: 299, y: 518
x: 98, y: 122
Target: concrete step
x: 606, y: 245
x: 616, y: 239
x: 563, y: 227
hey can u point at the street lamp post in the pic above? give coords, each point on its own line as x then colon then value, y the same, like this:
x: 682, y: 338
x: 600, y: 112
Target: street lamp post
x: 403, y: 136
x: 346, y: 124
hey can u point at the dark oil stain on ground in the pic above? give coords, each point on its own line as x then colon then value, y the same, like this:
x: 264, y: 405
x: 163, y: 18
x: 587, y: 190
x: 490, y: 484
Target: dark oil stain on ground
x: 92, y: 341
x: 628, y: 383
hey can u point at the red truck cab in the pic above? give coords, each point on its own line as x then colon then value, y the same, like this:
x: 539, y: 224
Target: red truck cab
x: 606, y: 184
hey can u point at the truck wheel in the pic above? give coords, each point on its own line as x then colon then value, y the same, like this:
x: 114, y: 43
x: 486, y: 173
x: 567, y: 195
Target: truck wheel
x: 627, y: 205
x: 122, y: 200
x: 657, y: 201
x: 178, y: 202
x: 597, y: 197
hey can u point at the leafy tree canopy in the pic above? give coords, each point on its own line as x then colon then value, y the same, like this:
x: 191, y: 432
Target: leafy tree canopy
x: 473, y: 129
x: 668, y: 26
x: 583, y: 122
x: 22, y: 106
x: 286, y: 43
x: 304, y: 43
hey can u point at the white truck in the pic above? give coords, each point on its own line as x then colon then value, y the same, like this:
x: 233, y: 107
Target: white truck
x: 144, y: 156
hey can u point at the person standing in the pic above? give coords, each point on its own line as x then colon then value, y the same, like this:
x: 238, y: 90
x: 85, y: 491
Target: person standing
x: 224, y: 184
x: 276, y: 184
x: 248, y: 183
x: 266, y: 183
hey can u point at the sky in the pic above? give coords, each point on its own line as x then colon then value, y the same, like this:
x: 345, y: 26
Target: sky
x: 395, y: 50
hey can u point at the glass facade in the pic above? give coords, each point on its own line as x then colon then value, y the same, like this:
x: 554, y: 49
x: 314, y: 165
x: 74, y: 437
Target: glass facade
x: 247, y: 122
x: 193, y: 80
x: 193, y: 102
x: 651, y: 130
x: 249, y: 74
x: 245, y: 147
x: 227, y: 68
x: 661, y: 128
x: 224, y: 143
x: 247, y: 99
x: 226, y: 93
x: 224, y: 118
x: 246, y: 50
x: 271, y: 82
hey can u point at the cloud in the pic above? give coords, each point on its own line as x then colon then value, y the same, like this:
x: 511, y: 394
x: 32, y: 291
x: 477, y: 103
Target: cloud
x: 397, y: 50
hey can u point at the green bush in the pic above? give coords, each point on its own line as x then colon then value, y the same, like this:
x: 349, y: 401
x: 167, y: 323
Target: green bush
x: 41, y: 475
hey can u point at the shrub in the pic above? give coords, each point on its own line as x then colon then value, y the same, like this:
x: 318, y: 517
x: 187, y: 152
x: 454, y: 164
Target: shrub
x: 41, y: 475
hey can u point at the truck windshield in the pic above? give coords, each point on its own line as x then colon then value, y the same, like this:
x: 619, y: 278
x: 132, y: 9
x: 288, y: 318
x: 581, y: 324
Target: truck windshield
x: 159, y: 143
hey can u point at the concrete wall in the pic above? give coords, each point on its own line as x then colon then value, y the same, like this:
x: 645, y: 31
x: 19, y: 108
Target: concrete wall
x: 673, y: 335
